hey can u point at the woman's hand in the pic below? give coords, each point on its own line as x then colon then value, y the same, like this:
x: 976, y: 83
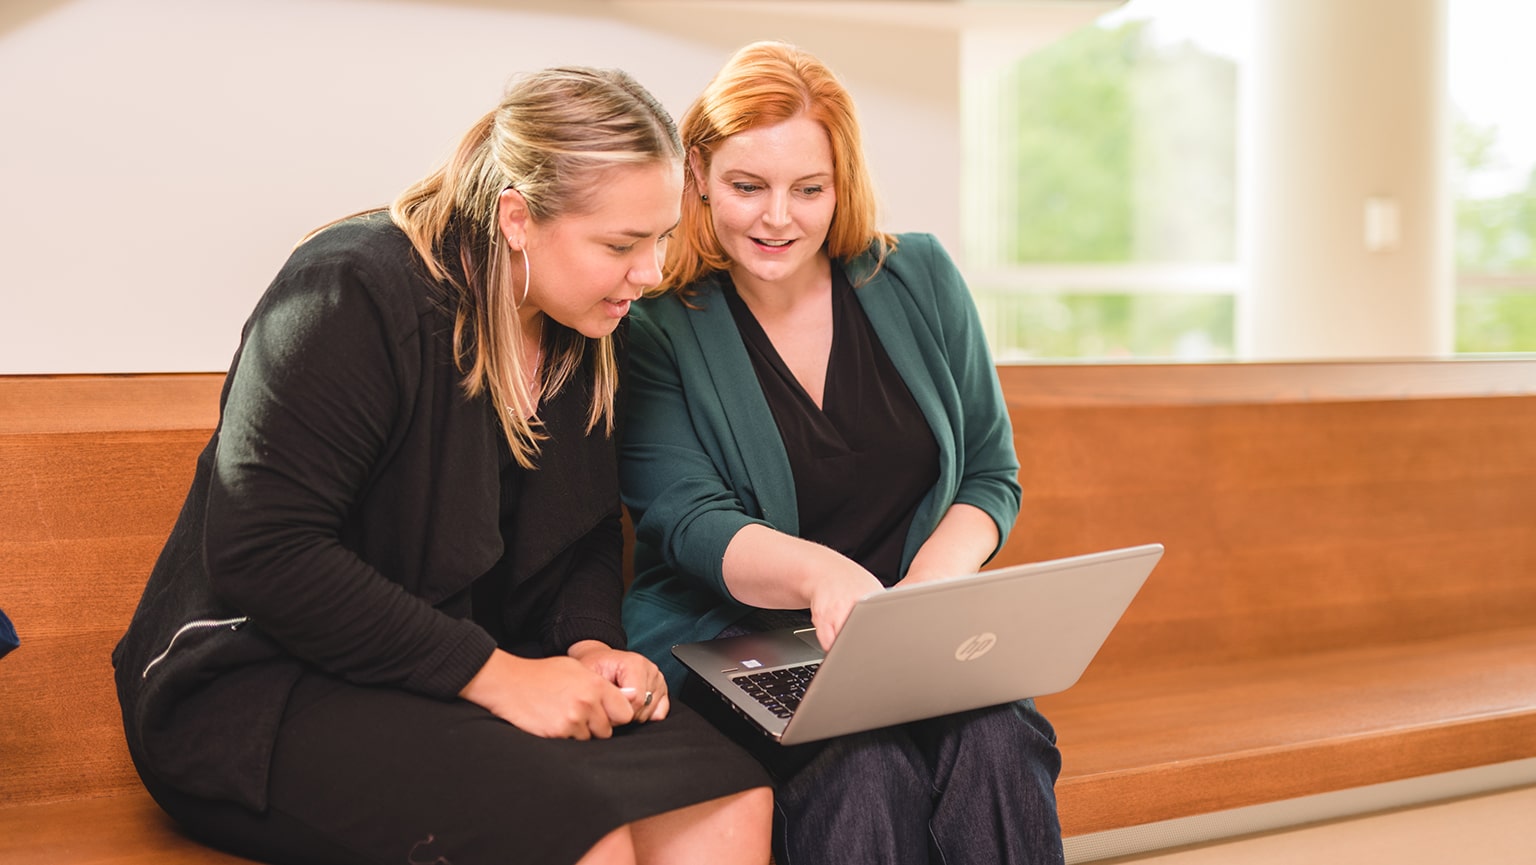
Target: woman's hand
x: 766, y: 568
x: 558, y: 698
x: 634, y: 674
x: 833, y: 595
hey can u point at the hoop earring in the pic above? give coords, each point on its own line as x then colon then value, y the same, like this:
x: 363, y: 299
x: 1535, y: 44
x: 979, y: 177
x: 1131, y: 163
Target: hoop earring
x: 527, y: 277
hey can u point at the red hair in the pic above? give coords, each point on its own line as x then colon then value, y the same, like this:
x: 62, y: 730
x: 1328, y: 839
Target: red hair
x: 763, y: 84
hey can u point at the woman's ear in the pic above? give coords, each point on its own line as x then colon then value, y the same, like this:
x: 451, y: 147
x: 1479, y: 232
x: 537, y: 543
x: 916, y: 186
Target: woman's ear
x: 697, y: 171
x: 512, y: 216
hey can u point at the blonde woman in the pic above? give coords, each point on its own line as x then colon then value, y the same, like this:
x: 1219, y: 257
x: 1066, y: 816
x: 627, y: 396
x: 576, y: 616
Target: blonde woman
x: 813, y: 415
x: 385, y: 628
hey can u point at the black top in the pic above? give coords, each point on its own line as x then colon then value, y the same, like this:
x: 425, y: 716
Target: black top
x: 539, y: 612
x: 347, y: 501
x: 865, y: 459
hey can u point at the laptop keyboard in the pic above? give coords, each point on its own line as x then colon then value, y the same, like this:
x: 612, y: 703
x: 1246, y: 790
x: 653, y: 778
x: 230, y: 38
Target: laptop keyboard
x: 780, y: 691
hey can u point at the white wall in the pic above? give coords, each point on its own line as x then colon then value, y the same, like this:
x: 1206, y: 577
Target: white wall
x: 160, y: 157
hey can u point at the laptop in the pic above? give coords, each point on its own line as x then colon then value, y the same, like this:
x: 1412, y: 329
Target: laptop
x: 930, y: 649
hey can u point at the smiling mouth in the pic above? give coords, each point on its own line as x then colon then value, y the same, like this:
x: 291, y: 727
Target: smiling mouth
x: 772, y: 244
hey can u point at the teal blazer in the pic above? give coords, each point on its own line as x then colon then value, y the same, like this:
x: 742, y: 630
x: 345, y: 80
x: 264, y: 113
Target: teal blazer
x: 701, y: 456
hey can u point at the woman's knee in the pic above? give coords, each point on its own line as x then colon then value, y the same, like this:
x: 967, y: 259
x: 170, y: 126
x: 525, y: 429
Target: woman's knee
x: 615, y: 848
x: 756, y: 804
x: 734, y: 828
x: 740, y: 814
x: 998, y: 738
x: 1006, y: 726
x: 1026, y: 711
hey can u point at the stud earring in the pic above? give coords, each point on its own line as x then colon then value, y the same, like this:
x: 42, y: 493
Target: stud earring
x: 704, y: 198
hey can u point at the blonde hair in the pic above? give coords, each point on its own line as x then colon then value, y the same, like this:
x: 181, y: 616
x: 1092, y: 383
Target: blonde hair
x: 551, y: 138
x: 763, y: 84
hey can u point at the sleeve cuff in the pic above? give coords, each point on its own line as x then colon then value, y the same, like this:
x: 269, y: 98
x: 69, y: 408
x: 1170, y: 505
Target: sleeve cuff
x: 457, y: 661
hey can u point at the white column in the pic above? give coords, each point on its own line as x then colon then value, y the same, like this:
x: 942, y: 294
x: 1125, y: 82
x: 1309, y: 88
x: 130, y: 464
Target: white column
x: 1347, y: 225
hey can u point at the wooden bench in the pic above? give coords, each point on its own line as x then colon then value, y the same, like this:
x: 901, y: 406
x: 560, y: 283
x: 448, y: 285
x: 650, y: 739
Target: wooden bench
x: 94, y: 471
x: 1348, y: 599
x: 1348, y: 596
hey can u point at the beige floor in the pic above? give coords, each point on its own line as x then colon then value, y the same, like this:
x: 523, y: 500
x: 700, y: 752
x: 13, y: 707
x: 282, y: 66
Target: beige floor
x: 1493, y: 829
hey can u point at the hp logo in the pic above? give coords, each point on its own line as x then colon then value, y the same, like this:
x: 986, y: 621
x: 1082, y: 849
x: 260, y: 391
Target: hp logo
x: 976, y: 646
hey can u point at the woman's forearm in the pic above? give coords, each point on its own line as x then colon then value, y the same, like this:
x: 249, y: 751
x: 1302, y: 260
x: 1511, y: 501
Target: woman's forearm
x: 963, y: 541
x: 768, y: 569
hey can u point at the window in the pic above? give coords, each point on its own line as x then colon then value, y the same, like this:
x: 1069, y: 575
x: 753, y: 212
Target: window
x: 1100, y: 190
x: 1494, y: 176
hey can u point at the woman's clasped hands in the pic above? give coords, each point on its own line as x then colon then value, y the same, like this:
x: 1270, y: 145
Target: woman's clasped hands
x: 584, y: 694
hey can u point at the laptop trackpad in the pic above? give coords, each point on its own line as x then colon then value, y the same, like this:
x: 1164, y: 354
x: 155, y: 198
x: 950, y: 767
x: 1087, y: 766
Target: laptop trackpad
x: 808, y: 635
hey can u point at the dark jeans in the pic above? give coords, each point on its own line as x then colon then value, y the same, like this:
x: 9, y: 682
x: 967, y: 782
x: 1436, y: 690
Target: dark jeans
x: 973, y: 788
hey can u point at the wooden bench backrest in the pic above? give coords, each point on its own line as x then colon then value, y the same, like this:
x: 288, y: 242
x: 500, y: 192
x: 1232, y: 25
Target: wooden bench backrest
x: 1303, y: 507
x: 92, y: 473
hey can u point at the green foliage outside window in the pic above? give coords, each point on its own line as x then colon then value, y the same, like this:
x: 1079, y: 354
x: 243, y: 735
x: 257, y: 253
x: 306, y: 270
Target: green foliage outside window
x: 1117, y: 149
x: 1071, y: 150
x: 1497, y: 233
x: 1110, y: 326
x: 1496, y: 323
x: 1124, y: 150
x: 1494, y: 235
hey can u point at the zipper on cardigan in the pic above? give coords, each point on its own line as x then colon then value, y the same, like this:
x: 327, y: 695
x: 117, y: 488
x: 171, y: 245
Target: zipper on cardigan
x: 234, y: 624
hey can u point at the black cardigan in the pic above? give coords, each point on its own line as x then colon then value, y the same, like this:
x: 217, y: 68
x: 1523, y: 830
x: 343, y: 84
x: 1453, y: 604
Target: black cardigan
x: 348, y: 499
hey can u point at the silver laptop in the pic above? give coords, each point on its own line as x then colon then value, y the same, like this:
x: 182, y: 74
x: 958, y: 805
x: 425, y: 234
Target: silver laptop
x: 915, y: 652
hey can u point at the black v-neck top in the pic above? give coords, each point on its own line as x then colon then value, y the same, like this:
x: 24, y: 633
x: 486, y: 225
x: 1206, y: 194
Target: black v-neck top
x: 865, y: 459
